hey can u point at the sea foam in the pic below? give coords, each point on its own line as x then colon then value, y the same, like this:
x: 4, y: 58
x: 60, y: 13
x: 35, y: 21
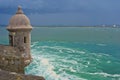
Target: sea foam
x: 58, y: 61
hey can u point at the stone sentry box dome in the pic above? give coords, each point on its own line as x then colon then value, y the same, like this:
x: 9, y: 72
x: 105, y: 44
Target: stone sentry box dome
x: 20, y: 40
x: 16, y: 56
x: 19, y: 21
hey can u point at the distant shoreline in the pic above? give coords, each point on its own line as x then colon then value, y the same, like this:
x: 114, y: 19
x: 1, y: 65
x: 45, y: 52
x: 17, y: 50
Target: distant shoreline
x: 73, y: 26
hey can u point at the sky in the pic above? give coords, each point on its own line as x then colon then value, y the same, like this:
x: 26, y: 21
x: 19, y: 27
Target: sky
x: 63, y: 12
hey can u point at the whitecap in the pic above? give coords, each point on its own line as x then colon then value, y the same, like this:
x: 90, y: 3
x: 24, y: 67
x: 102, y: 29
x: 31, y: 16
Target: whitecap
x: 81, y: 52
x: 45, y: 61
x: 88, y: 62
x: 72, y: 70
x: 97, y: 60
x: 101, y: 44
x: 104, y: 74
x: 108, y: 61
x: 69, y: 61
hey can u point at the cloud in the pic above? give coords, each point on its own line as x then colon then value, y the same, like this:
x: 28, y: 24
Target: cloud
x: 58, y: 6
x: 89, y: 11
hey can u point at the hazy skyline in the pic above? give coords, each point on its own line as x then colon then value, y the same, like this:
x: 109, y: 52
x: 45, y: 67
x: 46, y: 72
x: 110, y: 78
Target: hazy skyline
x: 63, y: 12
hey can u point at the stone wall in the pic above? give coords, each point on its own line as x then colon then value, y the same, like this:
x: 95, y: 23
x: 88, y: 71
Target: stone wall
x: 10, y: 63
x: 18, y: 41
x: 5, y: 75
x: 10, y: 59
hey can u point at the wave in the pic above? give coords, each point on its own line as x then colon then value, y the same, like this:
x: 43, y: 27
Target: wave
x: 104, y: 74
x: 62, y: 61
x: 46, y: 69
x: 101, y: 44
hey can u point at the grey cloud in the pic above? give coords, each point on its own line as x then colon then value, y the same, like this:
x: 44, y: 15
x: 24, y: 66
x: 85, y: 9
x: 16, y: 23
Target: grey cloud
x: 56, y: 6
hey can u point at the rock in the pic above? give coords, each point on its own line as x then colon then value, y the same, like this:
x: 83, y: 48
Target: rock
x: 5, y: 75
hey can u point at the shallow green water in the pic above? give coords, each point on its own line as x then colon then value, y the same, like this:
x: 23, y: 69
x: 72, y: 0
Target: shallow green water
x: 73, y: 61
x: 74, y: 53
x: 77, y: 34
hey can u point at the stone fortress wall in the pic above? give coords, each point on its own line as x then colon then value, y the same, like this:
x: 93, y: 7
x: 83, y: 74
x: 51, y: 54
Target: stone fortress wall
x: 16, y: 56
x: 9, y: 60
x: 5, y: 75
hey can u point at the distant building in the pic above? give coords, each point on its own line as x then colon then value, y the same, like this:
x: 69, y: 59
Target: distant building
x: 16, y: 56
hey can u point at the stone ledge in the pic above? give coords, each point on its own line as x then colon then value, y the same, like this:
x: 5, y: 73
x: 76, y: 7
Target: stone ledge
x: 5, y: 75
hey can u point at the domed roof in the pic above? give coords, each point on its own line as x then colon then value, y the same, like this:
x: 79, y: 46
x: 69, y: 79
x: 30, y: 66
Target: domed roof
x: 19, y: 21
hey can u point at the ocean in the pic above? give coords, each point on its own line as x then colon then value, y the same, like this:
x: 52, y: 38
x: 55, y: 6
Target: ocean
x: 73, y: 53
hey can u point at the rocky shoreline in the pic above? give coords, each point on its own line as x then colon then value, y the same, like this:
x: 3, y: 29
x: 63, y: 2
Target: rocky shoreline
x: 5, y: 75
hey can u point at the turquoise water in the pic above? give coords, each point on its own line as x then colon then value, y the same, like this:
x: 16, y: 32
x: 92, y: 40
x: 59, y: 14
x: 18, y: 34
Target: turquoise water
x: 74, y: 53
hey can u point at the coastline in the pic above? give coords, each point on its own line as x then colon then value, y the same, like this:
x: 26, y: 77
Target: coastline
x: 5, y: 75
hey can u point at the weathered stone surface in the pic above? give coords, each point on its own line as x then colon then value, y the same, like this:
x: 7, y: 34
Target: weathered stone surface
x: 9, y: 51
x: 10, y: 59
x: 4, y: 75
x: 19, y: 21
x: 17, y: 55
